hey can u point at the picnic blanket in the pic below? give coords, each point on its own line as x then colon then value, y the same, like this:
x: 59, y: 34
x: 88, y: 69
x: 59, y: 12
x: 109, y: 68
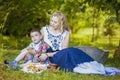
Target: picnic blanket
x: 31, y: 67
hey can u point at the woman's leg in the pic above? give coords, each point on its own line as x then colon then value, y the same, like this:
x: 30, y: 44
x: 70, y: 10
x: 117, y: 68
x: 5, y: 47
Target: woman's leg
x: 69, y: 58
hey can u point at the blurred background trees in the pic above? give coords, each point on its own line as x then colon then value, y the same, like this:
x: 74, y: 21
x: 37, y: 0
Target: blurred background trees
x: 102, y: 17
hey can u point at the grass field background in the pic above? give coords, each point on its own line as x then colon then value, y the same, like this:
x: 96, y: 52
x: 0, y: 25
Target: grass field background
x: 10, y: 47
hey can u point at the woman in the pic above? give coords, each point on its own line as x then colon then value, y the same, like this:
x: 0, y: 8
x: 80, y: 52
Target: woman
x: 57, y: 36
x: 69, y: 59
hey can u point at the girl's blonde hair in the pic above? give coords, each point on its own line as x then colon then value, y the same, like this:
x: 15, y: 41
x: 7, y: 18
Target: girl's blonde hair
x: 62, y: 20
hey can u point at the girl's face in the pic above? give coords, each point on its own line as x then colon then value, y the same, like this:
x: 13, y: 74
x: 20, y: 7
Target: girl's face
x: 55, y: 23
x: 36, y: 37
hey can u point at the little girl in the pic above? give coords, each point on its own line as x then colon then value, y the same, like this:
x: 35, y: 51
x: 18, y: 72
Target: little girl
x: 33, y: 51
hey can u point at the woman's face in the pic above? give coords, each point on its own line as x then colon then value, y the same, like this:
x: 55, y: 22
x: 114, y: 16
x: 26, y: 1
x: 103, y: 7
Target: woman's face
x: 54, y: 23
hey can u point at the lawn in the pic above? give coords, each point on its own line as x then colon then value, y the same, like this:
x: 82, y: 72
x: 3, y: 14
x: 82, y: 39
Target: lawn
x: 9, y: 74
x: 10, y: 48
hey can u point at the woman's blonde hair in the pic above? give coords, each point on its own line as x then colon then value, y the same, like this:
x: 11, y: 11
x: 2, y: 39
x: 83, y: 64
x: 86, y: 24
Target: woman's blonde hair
x: 62, y: 20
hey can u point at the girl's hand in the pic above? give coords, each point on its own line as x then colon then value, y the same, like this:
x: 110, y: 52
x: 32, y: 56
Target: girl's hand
x: 30, y: 50
x: 37, y: 55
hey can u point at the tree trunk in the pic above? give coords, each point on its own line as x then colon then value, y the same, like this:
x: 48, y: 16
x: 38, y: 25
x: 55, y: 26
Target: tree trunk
x: 117, y: 51
x: 93, y: 35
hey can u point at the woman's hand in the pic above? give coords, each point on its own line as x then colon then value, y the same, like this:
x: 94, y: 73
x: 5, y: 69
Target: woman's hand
x: 43, y: 57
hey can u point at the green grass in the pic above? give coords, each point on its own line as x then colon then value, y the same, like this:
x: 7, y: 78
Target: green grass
x: 9, y: 74
x: 10, y: 47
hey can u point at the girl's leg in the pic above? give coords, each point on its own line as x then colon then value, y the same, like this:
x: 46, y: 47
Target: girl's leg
x: 14, y: 64
x: 21, y: 55
x: 25, y: 64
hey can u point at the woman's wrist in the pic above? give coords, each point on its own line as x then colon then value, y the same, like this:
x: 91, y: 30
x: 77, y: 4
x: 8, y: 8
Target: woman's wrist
x: 54, y: 53
x: 51, y: 54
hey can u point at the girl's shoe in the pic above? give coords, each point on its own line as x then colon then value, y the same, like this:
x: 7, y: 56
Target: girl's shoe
x: 13, y: 64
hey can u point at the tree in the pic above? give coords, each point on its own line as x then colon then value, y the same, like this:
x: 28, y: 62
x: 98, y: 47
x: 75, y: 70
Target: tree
x: 109, y: 29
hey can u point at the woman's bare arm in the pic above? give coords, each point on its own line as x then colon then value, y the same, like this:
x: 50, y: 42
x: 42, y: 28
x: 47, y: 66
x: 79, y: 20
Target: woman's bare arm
x: 66, y: 41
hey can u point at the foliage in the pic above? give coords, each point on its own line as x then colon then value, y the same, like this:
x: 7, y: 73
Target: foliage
x: 11, y: 42
x: 21, y: 16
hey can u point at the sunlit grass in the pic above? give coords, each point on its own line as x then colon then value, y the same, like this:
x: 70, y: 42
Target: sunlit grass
x: 84, y: 37
x: 9, y: 74
x: 10, y: 48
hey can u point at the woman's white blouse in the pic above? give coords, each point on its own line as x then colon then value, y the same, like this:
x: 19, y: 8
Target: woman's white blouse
x: 54, y: 40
